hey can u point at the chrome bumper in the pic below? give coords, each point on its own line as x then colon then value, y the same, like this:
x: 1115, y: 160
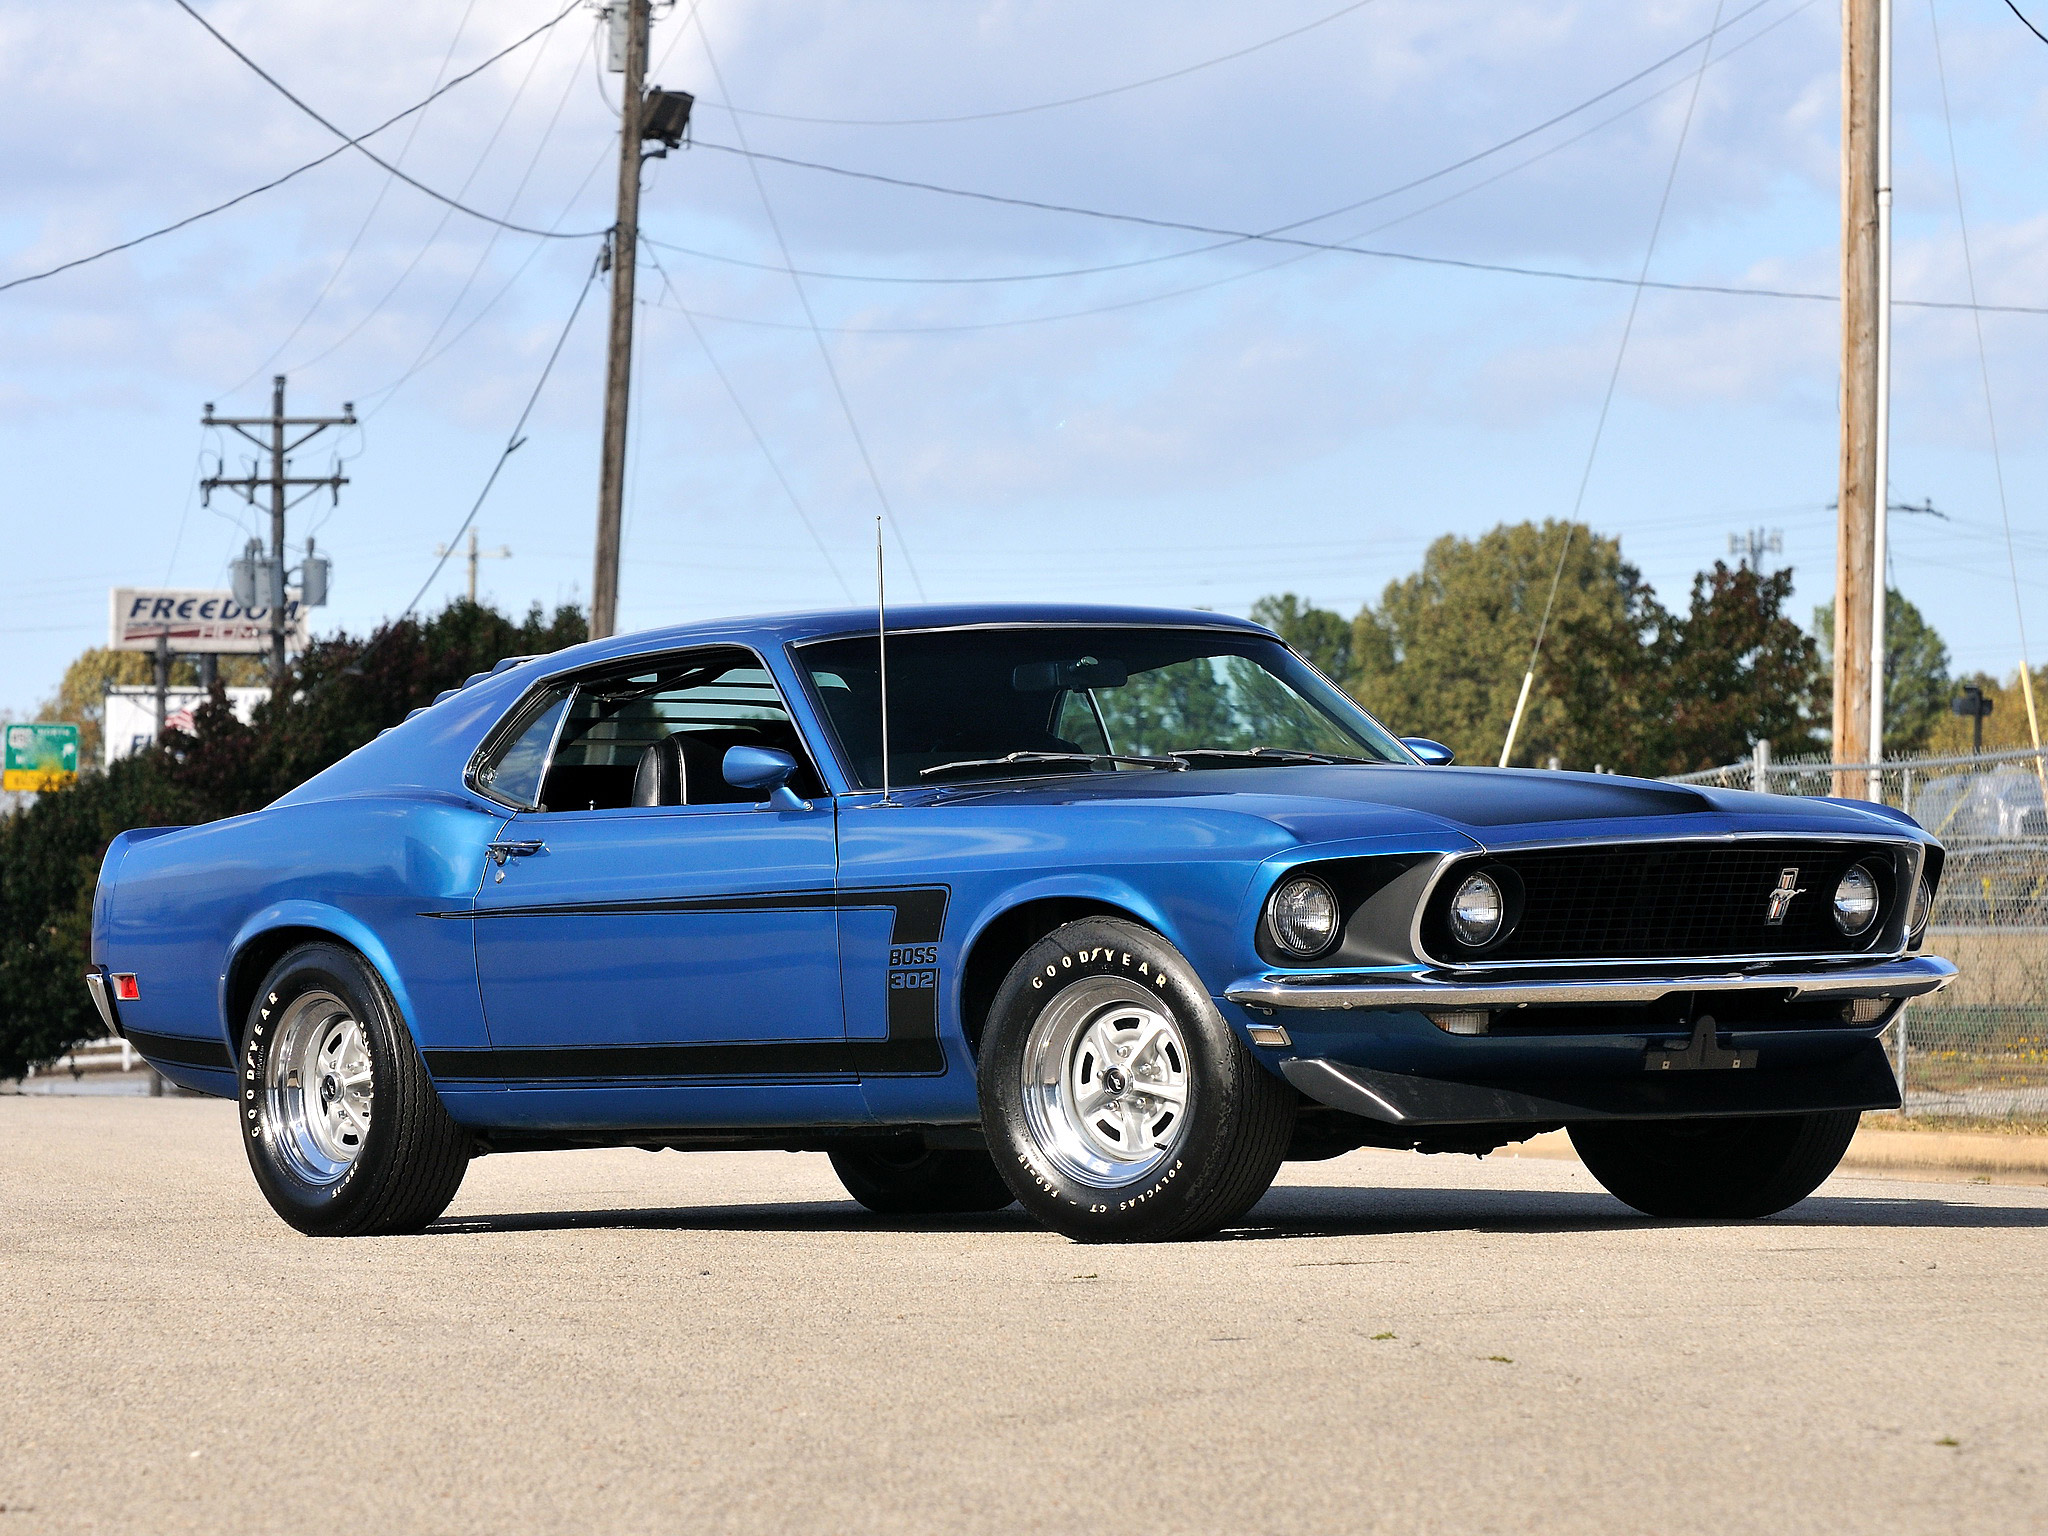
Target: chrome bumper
x: 102, y: 999
x: 1914, y: 976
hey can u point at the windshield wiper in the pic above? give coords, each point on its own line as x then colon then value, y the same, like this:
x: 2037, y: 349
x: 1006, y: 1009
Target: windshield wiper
x: 1270, y: 755
x: 1090, y: 758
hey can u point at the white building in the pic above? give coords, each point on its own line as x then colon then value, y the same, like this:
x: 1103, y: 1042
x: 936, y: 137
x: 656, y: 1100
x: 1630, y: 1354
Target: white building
x: 131, y: 722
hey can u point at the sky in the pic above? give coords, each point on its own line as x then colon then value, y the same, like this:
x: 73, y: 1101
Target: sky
x: 1048, y: 405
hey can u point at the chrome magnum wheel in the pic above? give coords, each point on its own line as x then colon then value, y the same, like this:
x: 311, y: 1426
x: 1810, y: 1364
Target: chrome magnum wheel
x: 344, y: 1131
x: 1105, y: 1082
x: 1116, y: 1101
x: 316, y: 1105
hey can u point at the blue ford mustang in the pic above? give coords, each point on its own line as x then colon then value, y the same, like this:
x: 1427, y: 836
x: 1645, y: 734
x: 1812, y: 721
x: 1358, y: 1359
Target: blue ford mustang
x: 1108, y: 911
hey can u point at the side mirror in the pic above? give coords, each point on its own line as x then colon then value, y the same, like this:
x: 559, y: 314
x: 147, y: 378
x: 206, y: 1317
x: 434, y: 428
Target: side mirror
x: 1434, y: 753
x: 764, y: 768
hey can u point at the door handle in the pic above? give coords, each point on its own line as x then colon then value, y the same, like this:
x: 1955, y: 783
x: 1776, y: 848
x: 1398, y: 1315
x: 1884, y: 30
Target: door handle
x: 498, y: 853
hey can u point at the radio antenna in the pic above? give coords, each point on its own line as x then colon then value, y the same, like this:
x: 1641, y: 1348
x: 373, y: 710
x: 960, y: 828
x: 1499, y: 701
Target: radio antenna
x: 882, y: 652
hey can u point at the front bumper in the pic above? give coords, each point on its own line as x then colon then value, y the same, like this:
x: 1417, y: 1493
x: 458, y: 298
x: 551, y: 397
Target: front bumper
x: 1861, y: 1079
x: 1914, y: 976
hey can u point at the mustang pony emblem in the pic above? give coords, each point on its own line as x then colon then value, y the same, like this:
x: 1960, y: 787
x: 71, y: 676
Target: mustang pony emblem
x: 1781, y: 898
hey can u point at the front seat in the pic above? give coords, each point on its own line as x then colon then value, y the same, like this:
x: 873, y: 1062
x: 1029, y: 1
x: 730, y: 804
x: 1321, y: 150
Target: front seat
x: 660, y: 777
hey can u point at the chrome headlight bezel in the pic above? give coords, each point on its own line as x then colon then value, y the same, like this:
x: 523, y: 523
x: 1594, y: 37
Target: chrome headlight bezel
x: 1280, y: 919
x: 1477, y: 931
x: 1868, y: 898
x: 1920, y: 911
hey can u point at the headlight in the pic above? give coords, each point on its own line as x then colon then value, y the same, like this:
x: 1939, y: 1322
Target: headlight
x: 1477, y: 911
x: 1921, y: 910
x: 1856, y: 901
x: 1301, y: 914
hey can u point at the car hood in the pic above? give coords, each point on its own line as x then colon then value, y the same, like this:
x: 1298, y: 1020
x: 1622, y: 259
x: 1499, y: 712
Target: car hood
x: 1494, y: 806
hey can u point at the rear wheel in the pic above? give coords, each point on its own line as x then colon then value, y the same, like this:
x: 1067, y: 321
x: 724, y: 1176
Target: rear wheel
x: 1748, y: 1166
x: 901, y: 1176
x: 1116, y: 1101
x: 344, y: 1131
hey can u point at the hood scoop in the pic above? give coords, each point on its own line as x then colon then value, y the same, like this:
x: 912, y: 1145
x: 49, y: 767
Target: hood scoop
x: 1503, y: 797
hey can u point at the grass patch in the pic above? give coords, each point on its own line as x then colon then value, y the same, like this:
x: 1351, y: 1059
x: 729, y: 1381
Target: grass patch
x: 1998, y: 1125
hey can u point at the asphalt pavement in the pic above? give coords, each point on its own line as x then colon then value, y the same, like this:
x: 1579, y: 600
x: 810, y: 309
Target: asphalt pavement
x: 629, y: 1341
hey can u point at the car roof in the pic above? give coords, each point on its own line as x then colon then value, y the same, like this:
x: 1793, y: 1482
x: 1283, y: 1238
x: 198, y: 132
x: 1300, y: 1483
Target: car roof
x: 790, y: 627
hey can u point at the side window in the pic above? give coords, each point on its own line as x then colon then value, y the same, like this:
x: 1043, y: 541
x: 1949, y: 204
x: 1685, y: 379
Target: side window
x: 658, y: 735
x: 513, y: 769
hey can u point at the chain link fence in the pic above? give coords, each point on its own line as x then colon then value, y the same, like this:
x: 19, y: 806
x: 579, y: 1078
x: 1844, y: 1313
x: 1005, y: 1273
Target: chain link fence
x: 1980, y: 1047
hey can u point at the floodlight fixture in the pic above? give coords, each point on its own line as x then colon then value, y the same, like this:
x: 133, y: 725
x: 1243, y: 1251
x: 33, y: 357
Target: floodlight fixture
x: 665, y: 116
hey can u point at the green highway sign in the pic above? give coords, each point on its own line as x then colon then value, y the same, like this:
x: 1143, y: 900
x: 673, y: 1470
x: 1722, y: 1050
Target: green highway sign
x: 40, y: 756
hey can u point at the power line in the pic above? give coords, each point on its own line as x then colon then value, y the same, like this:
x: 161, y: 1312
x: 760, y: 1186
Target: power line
x: 1350, y: 207
x: 1505, y: 268
x: 760, y: 441
x: 243, y: 197
x: 1984, y: 370
x: 2026, y: 23
x: 383, y: 393
x: 1221, y: 245
x: 1043, y: 106
x: 491, y: 243
x: 512, y: 441
x: 362, y: 229
x: 860, y: 441
x: 1607, y: 400
x: 356, y: 144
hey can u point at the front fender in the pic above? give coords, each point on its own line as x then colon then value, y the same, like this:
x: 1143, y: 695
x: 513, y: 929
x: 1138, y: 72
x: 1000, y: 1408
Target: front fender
x: 1110, y: 890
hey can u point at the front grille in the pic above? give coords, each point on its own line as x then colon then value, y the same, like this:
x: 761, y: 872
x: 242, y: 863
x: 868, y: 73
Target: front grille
x: 1671, y: 901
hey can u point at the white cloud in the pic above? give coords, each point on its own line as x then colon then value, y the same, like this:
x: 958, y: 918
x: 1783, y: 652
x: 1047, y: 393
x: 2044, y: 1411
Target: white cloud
x: 1328, y: 377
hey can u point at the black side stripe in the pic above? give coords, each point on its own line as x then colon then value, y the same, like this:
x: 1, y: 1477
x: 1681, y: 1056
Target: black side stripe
x: 920, y: 910
x: 641, y: 1064
x: 911, y: 1048
x: 181, y: 1050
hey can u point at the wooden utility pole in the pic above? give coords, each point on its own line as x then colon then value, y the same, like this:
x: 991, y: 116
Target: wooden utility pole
x: 1862, y: 497
x: 502, y: 552
x: 279, y: 445
x: 624, y: 253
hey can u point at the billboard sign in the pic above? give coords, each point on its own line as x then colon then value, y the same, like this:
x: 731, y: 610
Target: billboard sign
x: 39, y: 757
x: 130, y: 725
x: 198, y: 622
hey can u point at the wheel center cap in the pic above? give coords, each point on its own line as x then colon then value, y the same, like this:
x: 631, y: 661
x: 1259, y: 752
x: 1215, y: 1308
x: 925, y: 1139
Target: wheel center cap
x: 329, y: 1089
x: 1114, y: 1080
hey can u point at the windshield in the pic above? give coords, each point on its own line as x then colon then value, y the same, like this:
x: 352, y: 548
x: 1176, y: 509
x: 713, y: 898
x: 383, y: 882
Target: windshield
x: 1077, y: 700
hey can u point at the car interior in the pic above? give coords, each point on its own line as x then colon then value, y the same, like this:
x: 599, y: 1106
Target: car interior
x: 659, y: 734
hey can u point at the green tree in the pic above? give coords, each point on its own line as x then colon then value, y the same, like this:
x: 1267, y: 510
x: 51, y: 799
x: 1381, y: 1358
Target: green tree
x: 1734, y: 669
x: 341, y: 692
x: 1917, y: 687
x: 1319, y: 635
x: 2006, y: 728
x: 1443, y: 653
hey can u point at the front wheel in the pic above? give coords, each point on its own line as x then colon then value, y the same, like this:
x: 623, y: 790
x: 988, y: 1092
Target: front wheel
x: 344, y: 1131
x: 1748, y: 1166
x: 1117, y: 1103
